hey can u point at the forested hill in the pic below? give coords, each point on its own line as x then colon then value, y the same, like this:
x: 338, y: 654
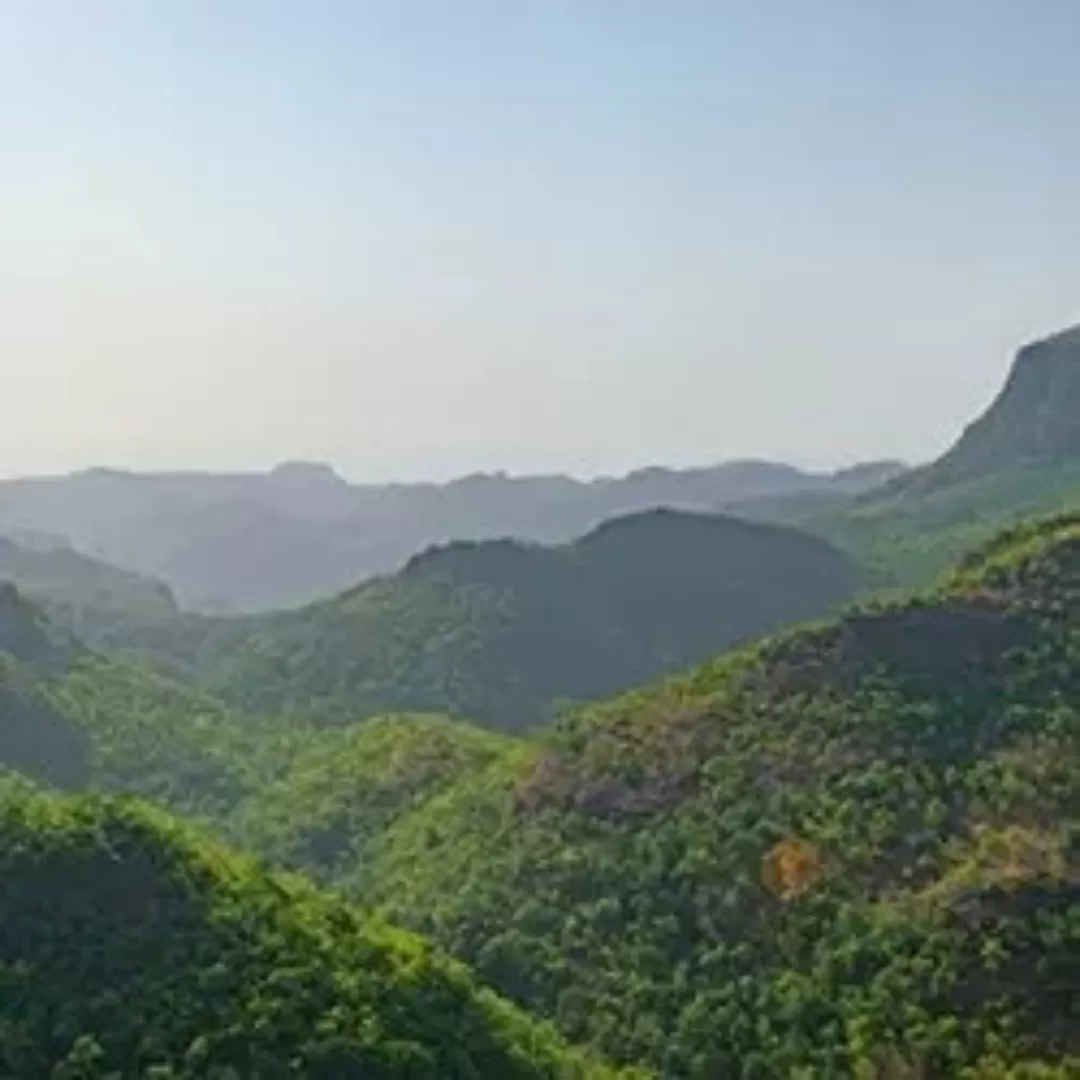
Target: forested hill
x: 501, y: 632
x: 851, y: 850
x: 78, y: 720
x: 1019, y: 458
x: 132, y: 947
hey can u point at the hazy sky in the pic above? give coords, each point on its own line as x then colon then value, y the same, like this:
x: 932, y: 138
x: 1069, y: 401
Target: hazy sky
x: 420, y: 238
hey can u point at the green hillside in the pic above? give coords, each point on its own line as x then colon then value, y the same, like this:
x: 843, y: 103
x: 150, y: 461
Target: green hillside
x: 909, y: 537
x: 131, y: 947
x: 853, y: 850
x: 502, y: 632
x: 75, y: 719
x: 337, y: 805
x: 78, y: 720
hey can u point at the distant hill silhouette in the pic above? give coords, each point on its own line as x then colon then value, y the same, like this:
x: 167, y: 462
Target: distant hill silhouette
x: 502, y: 631
x: 793, y: 506
x: 236, y: 542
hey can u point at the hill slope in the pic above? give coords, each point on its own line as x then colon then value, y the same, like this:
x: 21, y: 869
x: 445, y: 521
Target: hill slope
x: 76, y: 719
x: 500, y: 632
x: 80, y: 592
x: 852, y: 847
x: 130, y: 947
x: 1021, y: 457
x: 336, y: 804
x: 855, y: 846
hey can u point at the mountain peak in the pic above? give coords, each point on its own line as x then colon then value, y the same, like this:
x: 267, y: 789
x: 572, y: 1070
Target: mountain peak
x: 1069, y: 338
x: 1034, y: 420
x: 307, y: 473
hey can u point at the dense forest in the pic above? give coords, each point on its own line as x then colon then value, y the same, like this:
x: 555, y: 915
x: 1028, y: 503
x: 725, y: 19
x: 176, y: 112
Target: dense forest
x: 740, y: 871
x: 130, y: 946
x: 852, y: 845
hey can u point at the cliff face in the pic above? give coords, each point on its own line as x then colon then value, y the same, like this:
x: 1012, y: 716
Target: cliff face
x: 1035, y: 420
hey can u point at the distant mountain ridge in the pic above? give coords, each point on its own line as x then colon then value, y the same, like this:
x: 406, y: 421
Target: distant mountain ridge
x: 239, y: 542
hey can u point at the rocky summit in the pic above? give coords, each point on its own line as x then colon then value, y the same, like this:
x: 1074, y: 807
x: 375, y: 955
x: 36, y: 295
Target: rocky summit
x: 1034, y: 420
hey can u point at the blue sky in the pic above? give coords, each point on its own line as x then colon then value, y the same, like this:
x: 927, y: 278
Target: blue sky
x: 420, y: 238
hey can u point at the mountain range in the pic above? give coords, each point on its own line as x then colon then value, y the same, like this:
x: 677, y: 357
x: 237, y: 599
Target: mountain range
x: 230, y: 543
x: 693, y: 834
x: 506, y: 631
x: 250, y: 542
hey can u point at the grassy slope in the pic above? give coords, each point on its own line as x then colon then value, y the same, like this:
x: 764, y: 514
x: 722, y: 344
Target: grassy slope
x: 130, y: 946
x: 857, y: 844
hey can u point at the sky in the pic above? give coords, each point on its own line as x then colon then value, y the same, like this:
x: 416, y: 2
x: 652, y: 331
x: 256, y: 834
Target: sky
x: 418, y: 238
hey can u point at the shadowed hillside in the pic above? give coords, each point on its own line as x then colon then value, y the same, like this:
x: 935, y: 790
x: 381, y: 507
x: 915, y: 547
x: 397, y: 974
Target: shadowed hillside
x: 501, y: 632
